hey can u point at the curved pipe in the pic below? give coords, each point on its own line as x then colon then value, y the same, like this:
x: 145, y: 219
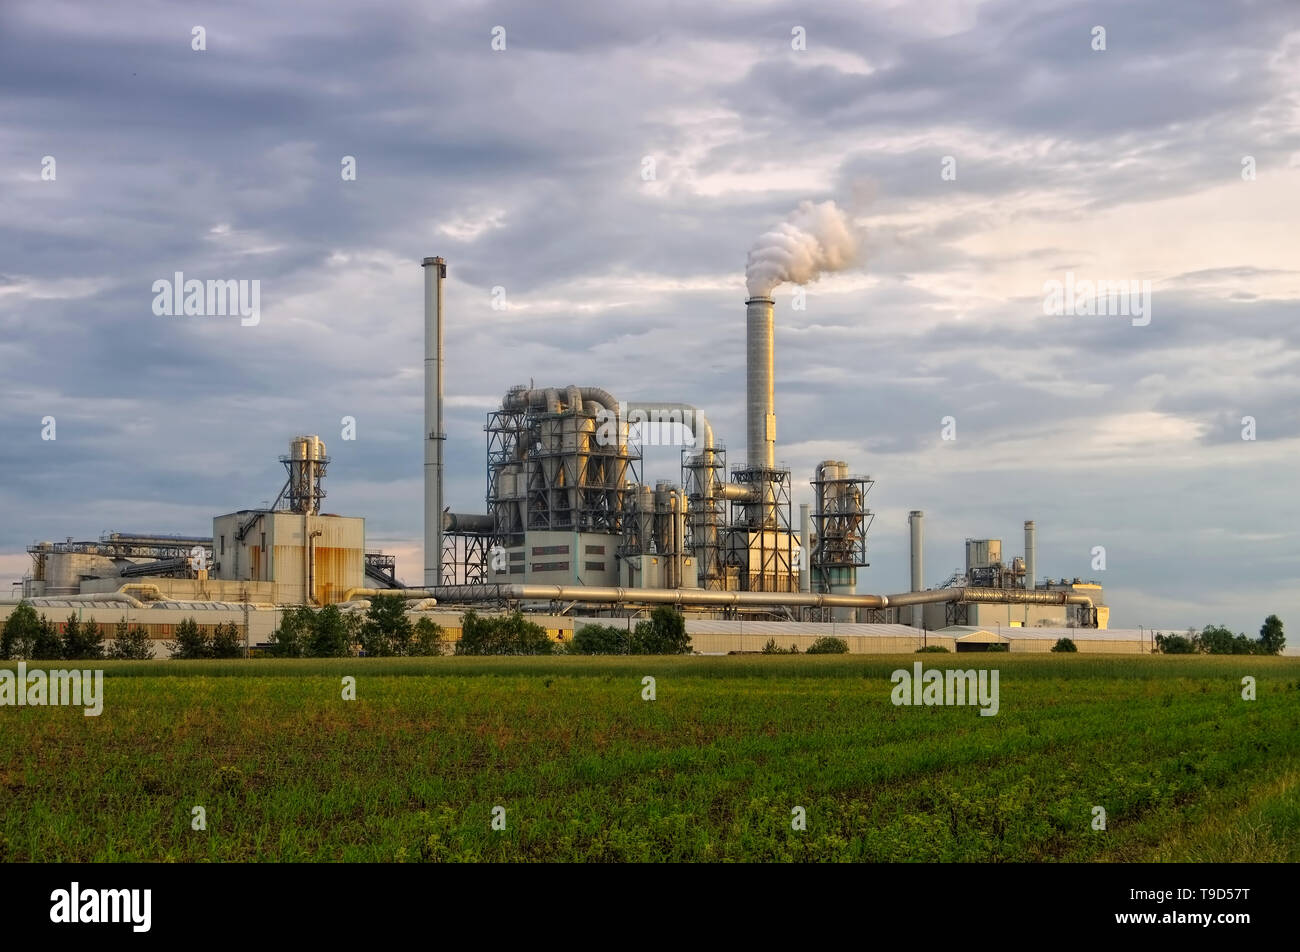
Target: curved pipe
x: 643, y: 411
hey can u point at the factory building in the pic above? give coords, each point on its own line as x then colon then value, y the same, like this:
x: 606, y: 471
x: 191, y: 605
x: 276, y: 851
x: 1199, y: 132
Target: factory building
x: 570, y: 526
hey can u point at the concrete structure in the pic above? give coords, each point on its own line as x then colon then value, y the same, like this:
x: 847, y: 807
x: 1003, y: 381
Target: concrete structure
x: 311, y: 559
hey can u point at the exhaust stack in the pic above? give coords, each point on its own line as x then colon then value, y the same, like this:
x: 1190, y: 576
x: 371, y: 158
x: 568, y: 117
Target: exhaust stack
x: 760, y: 401
x: 1031, y: 555
x: 916, y: 520
x: 435, y: 270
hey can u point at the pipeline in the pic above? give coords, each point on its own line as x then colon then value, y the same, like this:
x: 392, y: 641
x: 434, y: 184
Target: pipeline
x: 421, y: 593
x: 705, y: 597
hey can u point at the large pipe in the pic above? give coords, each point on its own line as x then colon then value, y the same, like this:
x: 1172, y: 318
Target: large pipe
x: 805, y: 548
x: 642, y: 411
x: 435, y: 270
x: 759, y: 372
x: 355, y: 593
x: 1031, y: 555
x: 468, y: 522
x: 915, y: 520
x: 451, y: 594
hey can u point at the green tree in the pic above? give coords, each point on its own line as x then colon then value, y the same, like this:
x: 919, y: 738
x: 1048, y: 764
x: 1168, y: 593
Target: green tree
x: 191, y: 641
x: 1215, y: 639
x: 427, y: 640
x: 1175, y: 644
x: 386, y: 630
x: 1271, y: 636
x: 663, y: 633
x: 292, y: 639
x: 1065, y: 645
x: 20, y: 632
x: 330, y: 636
x: 130, y: 643
x: 82, y: 639
x: 600, y: 640
x: 227, y: 641
x: 829, y: 645
x: 48, y: 644
x: 503, y: 635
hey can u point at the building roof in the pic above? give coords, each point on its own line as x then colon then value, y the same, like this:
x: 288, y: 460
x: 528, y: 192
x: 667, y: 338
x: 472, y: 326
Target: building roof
x: 729, y: 626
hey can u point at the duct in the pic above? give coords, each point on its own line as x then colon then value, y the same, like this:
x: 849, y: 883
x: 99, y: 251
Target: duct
x: 547, y: 399
x: 435, y: 271
x: 354, y: 593
x: 736, y: 492
x: 462, y: 522
x: 684, y: 413
x: 1031, y: 555
x: 698, y: 596
x: 113, y: 597
x: 679, y: 537
x: 760, y: 404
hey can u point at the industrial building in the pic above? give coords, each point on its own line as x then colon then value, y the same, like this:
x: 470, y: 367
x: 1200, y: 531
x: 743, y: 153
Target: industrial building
x: 571, y: 527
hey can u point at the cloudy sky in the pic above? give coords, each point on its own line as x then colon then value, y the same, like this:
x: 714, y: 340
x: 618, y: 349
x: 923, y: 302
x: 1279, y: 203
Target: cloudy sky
x: 526, y: 167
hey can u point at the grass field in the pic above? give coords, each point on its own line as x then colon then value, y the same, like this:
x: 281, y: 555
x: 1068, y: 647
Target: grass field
x: 588, y: 771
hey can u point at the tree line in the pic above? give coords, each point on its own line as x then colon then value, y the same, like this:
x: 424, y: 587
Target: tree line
x: 27, y: 636
x: 1219, y: 640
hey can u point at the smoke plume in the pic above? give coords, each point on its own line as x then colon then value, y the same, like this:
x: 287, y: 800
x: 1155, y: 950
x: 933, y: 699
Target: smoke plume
x: 815, y: 239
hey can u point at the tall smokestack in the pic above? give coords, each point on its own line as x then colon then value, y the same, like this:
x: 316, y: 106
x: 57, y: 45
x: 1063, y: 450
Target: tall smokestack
x: 435, y: 270
x: 1031, y: 555
x: 760, y: 399
x: 916, y: 520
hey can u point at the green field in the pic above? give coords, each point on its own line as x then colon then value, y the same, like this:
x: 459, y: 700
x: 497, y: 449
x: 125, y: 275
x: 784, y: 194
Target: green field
x: 588, y: 771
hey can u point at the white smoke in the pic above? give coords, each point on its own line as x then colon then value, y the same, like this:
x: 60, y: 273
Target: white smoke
x: 815, y: 239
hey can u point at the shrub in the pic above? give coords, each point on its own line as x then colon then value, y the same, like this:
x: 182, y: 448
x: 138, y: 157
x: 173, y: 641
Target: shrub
x: 932, y: 649
x: 829, y: 645
x: 600, y: 640
x: 330, y: 634
x: 664, y: 632
x: 773, y: 648
x: 505, y: 635
x: 998, y: 646
x: 292, y: 638
x: 1064, y: 645
x: 130, y: 643
x: 1174, y: 644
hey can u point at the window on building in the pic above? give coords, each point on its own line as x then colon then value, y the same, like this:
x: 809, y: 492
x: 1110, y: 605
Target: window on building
x: 550, y: 566
x: 550, y: 550
x: 593, y: 566
x: 595, y: 550
x: 223, y: 545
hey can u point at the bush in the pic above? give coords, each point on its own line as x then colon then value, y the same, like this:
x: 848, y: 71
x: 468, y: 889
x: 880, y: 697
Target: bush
x: 663, y: 633
x: 191, y: 641
x: 829, y: 645
x: 932, y: 649
x: 1064, y: 645
x: 600, y: 640
x: 504, y: 635
x: 428, y: 638
x: 773, y: 648
x: 130, y: 643
x: 998, y: 646
x: 1174, y: 644
x: 331, y: 636
x: 292, y: 639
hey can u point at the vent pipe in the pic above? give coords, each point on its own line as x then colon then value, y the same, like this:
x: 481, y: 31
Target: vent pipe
x: 916, y: 520
x: 435, y: 270
x: 1031, y: 554
x: 805, y: 548
x: 760, y: 401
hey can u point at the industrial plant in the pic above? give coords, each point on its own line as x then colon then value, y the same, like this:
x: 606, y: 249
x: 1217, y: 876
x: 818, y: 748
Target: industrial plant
x: 572, y: 528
